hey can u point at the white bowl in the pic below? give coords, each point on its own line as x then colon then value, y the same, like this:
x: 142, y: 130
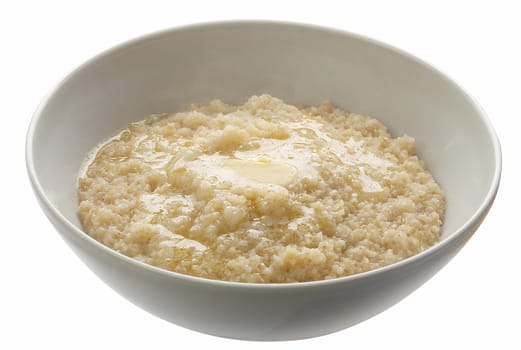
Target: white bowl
x: 166, y: 71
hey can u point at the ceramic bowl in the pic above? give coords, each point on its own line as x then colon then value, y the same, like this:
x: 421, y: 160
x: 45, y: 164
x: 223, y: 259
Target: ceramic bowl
x: 166, y: 71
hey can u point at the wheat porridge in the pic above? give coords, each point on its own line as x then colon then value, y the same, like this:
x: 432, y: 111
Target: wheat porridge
x: 263, y: 192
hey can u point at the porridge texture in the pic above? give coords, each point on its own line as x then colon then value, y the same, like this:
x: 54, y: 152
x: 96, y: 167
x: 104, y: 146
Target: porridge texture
x: 264, y: 192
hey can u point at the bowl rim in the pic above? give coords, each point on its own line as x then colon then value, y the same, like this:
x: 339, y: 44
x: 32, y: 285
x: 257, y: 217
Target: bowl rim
x: 52, y: 210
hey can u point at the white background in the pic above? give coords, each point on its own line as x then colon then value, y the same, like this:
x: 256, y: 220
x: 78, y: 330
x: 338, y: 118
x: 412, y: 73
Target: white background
x: 49, y: 299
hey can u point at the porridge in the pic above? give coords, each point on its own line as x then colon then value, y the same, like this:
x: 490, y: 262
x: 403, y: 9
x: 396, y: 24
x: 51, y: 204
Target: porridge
x: 264, y: 192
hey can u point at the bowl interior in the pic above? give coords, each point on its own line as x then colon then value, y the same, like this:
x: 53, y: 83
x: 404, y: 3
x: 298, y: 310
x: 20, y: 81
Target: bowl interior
x: 232, y: 61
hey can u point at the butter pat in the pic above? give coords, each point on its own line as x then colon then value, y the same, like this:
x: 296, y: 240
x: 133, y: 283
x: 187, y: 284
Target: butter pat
x: 262, y: 171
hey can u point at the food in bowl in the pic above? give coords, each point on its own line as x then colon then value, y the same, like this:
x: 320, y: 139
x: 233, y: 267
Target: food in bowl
x: 162, y: 71
x: 264, y: 192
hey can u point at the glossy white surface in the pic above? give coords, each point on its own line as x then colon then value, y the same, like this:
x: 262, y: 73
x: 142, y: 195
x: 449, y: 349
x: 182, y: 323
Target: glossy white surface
x: 168, y: 70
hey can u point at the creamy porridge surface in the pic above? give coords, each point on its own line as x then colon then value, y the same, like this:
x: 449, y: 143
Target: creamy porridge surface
x: 263, y: 192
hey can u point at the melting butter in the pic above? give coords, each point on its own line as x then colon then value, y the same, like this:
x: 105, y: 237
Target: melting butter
x: 278, y: 162
x: 262, y: 171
